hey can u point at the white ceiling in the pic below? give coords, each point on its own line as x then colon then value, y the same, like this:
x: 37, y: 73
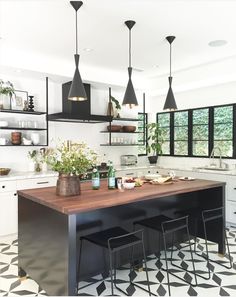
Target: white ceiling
x: 47, y: 27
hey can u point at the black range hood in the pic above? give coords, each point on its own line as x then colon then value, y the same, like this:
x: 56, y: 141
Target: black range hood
x: 77, y: 112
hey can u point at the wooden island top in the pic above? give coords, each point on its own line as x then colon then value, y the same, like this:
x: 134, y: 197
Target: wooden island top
x: 103, y: 198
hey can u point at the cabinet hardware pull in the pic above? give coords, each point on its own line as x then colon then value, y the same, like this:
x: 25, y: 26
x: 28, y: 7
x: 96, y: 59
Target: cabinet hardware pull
x: 3, y: 187
x: 130, y: 173
x: 15, y: 194
x: 235, y: 212
x: 41, y: 183
x: 234, y: 188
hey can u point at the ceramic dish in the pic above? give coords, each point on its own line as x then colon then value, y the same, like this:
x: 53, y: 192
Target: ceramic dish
x: 155, y: 182
x: 129, y: 186
x: 187, y: 178
x: 152, y: 176
x: 3, y: 123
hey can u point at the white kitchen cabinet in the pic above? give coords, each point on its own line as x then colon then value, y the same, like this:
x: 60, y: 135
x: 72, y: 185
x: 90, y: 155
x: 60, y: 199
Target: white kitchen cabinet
x: 33, y: 183
x: 9, y: 200
x: 231, y: 189
x: 8, y: 213
x: 231, y: 212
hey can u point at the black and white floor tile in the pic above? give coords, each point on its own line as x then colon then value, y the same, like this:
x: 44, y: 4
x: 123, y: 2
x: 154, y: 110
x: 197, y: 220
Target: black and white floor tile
x: 221, y: 283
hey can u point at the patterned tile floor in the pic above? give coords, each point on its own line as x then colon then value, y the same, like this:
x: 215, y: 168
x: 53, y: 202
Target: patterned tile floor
x: 222, y: 282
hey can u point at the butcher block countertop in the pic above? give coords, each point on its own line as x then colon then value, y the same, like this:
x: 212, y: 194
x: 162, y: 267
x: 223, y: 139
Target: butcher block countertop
x: 103, y: 198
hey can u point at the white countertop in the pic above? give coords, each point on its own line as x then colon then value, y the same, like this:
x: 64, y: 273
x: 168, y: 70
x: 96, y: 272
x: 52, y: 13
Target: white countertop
x: 25, y: 175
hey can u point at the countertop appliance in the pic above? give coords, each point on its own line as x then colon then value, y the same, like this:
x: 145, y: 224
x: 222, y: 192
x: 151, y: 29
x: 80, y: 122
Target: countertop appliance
x: 128, y: 160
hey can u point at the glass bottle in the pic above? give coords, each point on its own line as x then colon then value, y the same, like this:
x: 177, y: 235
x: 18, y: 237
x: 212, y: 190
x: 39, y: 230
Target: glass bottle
x: 95, y: 179
x: 111, y: 177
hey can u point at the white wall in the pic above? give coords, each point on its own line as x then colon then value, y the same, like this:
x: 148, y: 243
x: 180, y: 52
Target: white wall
x: 16, y: 157
x: 207, y: 96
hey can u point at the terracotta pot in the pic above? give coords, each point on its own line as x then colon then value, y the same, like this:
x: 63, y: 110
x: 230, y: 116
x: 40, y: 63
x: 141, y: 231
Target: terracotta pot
x: 68, y: 185
x: 16, y: 138
x: 129, y: 128
x: 114, y: 128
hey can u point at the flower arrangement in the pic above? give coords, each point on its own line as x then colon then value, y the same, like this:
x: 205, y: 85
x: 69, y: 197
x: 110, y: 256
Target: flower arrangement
x: 6, y: 88
x: 71, y: 159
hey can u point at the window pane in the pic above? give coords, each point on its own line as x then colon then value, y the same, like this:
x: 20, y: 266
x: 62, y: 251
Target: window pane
x: 223, y: 114
x: 200, y: 132
x: 223, y: 131
x: 166, y: 133
x: 200, y: 148
x: 181, y: 118
x: 181, y: 133
x: 164, y: 119
x: 226, y: 148
x: 200, y: 116
x: 181, y: 148
x: 166, y: 148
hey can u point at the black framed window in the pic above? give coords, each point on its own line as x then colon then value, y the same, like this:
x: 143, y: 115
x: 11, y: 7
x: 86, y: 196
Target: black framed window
x: 181, y: 133
x: 142, y: 134
x: 164, y: 123
x: 195, y: 132
x: 200, y: 132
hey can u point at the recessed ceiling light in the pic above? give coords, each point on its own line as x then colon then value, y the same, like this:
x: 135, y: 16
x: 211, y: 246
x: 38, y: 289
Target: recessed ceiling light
x: 18, y: 70
x: 215, y: 43
x: 87, y: 49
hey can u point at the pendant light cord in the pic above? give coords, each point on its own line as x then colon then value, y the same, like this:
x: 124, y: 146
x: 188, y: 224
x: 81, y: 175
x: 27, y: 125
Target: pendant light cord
x: 170, y: 58
x: 76, y: 33
x: 129, y: 47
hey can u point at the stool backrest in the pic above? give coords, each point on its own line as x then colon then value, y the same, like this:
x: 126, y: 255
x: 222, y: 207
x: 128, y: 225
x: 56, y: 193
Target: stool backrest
x: 213, y: 214
x: 175, y: 224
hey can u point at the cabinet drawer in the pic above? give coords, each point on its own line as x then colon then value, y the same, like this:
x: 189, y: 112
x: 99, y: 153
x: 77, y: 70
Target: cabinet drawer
x: 7, y: 186
x: 231, y: 191
x: 36, y: 183
x: 231, y: 212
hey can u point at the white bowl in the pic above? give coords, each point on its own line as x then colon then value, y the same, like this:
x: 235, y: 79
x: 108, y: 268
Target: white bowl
x: 129, y: 186
x: 3, y: 123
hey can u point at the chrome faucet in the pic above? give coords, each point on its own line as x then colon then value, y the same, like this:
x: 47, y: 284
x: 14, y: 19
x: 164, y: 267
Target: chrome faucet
x: 212, y: 156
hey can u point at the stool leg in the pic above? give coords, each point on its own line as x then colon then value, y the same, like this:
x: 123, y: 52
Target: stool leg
x: 227, y: 243
x: 191, y: 252
x: 111, y: 271
x: 167, y: 269
x: 145, y: 265
x: 172, y: 247
x: 80, y: 254
x: 207, y: 258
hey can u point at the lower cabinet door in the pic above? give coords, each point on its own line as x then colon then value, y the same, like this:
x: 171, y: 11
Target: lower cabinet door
x: 231, y: 212
x: 8, y: 213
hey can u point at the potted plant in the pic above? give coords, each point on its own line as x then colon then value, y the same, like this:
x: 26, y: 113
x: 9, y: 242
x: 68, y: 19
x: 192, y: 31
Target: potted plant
x: 155, y: 141
x: 6, y: 93
x: 32, y: 155
x: 71, y: 161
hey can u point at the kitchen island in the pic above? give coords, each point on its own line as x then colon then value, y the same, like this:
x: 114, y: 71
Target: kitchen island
x: 50, y: 226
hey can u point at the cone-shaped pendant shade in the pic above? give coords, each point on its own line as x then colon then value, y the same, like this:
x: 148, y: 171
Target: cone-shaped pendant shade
x: 77, y: 91
x: 170, y: 103
x: 130, y: 97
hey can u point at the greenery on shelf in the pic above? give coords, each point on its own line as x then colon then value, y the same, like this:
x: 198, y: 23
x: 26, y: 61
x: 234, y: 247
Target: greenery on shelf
x: 155, y: 139
x: 6, y: 88
x: 116, y: 102
x: 72, y: 159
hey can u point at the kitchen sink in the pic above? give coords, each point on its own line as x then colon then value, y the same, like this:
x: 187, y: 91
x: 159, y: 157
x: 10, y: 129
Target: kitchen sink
x: 213, y: 168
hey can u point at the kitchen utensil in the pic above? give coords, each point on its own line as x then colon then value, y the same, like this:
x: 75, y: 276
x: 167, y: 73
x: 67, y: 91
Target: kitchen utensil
x: 4, y: 171
x: 129, y: 128
x: 16, y: 138
x: 114, y: 128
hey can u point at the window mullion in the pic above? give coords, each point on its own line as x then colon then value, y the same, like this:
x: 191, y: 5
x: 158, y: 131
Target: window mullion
x: 211, y: 130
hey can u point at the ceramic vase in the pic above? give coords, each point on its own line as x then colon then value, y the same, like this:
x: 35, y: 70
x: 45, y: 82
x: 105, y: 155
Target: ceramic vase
x: 68, y: 185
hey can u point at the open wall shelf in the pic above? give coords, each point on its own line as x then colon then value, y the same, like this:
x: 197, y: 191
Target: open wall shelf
x: 23, y: 112
x: 24, y: 129
x: 119, y: 144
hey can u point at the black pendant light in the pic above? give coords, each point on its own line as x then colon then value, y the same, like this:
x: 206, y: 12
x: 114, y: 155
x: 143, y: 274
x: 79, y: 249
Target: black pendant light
x: 77, y: 91
x: 170, y: 103
x: 130, y: 99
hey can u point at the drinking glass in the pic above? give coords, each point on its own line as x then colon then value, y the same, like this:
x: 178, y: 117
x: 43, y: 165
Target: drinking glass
x: 120, y: 185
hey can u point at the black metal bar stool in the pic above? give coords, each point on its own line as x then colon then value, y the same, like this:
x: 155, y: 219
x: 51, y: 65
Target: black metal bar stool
x: 206, y: 216
x: 116, y: 239
x: 165, y: 225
